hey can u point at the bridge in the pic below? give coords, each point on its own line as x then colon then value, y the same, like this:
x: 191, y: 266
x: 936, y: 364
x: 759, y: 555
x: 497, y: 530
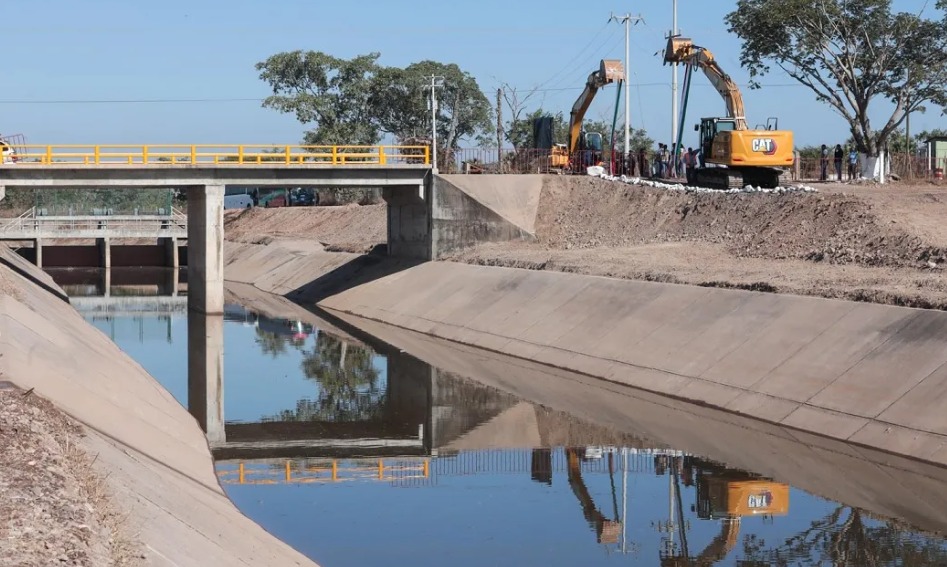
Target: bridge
x: 203, y: 171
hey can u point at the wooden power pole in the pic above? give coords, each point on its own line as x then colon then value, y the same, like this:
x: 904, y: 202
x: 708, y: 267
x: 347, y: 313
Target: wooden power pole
x: 499, y: 130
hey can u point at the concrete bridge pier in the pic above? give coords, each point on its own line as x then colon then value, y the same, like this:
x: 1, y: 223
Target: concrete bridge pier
x: 409, y: 221
x: 38, y: 249
x: 205, y: 249
x: 171, y: 256
x: 205, y: 373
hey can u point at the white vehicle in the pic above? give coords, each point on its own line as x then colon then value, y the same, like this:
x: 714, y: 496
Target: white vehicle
x: 241, y: 201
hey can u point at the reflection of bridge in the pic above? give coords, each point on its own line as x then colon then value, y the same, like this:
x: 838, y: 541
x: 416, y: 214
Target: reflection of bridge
x: 130, y: 305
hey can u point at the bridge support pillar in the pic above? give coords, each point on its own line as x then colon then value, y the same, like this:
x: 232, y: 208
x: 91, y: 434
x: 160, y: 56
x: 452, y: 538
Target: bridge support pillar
x: 205, y: 373
x: 105, y: 252
x: 38, y: 249
x: 205, y: 249
x: 171, y: 258
x: 409, y: 221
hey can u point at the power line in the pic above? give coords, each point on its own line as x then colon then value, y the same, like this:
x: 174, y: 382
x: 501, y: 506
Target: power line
x: 131, y: 101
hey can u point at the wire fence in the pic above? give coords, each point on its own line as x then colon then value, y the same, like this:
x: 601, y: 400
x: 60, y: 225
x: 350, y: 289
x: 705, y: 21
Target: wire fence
x: 907, y: 167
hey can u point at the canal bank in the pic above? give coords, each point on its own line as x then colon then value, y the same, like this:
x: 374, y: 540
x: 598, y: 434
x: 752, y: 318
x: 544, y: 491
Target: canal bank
x: 153, y: 455
x: 867, y: 374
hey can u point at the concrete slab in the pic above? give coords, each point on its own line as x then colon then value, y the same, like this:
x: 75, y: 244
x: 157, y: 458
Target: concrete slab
x: 515, y: 428
x: 924, y: 406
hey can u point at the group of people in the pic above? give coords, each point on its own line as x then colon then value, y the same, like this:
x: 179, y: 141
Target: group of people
x: 659, y: 164
x: 838, y: 156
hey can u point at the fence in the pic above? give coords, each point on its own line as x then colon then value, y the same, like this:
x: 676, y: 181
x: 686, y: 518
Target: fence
x: 529, y: 160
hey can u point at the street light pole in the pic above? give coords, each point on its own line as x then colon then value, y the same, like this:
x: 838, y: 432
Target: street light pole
x: 436, y: 82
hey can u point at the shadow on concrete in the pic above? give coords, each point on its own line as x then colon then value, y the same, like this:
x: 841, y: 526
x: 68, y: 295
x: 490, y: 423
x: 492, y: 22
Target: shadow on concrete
x: 361, y: 270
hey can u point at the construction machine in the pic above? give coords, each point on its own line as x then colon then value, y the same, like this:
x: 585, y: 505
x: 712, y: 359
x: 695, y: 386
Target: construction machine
x: 11, y: 147
x: 606, y: 530
x: 583, y: 149
x: 731, y: 154
x: 727, y: 495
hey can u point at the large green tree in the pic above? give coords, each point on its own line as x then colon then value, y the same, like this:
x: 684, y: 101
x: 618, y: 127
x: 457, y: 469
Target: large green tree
x: 851, y: 54
x: 330, y: 93
x: 355, y: 101
x: 401, y: 99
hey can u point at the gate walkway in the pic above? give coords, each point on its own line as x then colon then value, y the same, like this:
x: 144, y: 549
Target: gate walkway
x: 33, y: 224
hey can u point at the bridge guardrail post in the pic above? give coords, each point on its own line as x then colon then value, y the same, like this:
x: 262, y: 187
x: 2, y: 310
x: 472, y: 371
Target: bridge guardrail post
x: 193, y: 154
x: 381, y: 155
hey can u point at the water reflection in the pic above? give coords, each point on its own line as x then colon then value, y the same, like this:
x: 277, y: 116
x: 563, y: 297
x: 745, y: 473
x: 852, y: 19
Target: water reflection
x: 357, y: 454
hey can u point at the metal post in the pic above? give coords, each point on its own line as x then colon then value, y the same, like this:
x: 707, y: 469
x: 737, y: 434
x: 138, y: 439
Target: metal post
x: 436, y: 82
x: 624, y: 498
x: 674, y: 140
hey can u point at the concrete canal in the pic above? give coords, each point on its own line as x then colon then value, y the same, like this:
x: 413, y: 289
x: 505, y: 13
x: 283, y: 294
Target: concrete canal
x: 357, y: 453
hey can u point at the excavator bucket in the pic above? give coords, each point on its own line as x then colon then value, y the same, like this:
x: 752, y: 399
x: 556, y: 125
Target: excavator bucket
x: 612, y: 70
x: 678, y: 49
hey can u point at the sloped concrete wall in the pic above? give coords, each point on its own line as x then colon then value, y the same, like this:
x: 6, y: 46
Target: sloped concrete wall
x: 470, y: 209
x: 154, y: 454
x: 869, y: 374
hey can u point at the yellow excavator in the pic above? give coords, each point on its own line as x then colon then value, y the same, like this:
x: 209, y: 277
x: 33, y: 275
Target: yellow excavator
x: 583, y: 149
x: 728, y: 495
x: 731, y: 154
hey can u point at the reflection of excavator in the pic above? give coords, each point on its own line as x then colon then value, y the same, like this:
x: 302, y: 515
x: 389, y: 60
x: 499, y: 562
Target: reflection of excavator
x: 732, y: 155
x: 606, y: 531
x: 583, y: 149
x: 727, y: 495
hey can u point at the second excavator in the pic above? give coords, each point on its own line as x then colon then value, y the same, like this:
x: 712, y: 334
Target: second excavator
x: 583, y: 149
x: 731, y: 154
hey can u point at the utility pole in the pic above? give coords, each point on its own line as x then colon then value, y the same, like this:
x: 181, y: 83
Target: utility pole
x: 674, y: 31
x: 627, y: 20
x: 436, y: 82
x: 499, y: 130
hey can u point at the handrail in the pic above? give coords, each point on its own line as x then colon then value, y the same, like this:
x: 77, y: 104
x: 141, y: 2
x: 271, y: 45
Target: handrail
x: 225, y: 154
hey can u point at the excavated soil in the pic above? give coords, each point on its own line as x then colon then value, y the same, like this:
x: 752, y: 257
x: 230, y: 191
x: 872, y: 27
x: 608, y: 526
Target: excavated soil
x: 832, y: 227
x: 54, y: 508
x: 345, y: 228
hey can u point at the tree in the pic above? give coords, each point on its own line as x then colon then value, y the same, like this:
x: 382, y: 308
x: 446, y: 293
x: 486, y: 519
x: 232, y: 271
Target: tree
x: 516, y: 102
x: 400, y: 101
x: 330, y: 93
x: 849, y: 53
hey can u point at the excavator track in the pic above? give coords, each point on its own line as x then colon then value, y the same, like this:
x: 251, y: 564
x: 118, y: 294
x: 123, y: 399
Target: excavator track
x: 719, y: 178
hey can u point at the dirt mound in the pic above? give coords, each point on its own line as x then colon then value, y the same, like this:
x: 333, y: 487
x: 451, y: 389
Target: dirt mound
x: 583, y: 212
x: 348, y: 228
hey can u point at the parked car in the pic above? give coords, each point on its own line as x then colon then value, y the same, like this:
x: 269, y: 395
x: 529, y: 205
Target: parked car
x: 238, y: 201
x: 303, y: 197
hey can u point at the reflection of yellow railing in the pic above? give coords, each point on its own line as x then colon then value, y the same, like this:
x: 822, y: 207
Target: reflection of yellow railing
x: 295, y: 472
x: 204, y: 154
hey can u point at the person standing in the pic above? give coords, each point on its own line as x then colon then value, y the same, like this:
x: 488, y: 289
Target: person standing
x: 824, y: 163
x: 839, y: 157
x: 690, y: 165
x: 852, y: 163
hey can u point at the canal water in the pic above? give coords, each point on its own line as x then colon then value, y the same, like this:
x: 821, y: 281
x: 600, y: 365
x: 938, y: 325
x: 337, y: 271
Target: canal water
x: 357, y: 454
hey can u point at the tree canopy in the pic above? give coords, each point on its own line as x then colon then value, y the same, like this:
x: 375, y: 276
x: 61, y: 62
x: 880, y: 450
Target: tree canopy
x: 850, y: 53
x: 357, y: 101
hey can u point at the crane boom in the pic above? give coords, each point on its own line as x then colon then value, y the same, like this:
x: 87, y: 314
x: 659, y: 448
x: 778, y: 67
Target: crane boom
x: 683, y: 50
x: 609, y: 71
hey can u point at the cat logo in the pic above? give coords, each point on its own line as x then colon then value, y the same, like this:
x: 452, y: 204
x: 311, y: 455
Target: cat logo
x: 765, y: 146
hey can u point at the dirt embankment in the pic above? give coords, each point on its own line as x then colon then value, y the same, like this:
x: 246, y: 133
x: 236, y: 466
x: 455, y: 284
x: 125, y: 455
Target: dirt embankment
x: 828, y: 227
x: 54, y: 508
x: 878, y: 244
x: 345, y: 228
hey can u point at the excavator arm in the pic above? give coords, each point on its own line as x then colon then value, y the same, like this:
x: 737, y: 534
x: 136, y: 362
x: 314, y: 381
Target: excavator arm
x: 683, y: 50
x: 606, y: 530
x: 609, y: 71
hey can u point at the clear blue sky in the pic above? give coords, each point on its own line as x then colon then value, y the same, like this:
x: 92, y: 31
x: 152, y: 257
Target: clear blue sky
x: 111, y: 50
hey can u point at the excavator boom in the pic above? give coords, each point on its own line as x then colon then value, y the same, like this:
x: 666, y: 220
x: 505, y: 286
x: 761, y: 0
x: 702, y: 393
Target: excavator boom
x: 683, y: 50
x: 609, y: 71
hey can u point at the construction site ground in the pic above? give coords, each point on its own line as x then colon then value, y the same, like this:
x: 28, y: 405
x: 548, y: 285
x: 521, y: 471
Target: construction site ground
x: 863, y: 242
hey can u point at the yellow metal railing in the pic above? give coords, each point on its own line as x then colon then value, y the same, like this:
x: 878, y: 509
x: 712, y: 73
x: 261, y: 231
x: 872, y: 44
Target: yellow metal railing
x: 295, y: 472
x: 204, y: 154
